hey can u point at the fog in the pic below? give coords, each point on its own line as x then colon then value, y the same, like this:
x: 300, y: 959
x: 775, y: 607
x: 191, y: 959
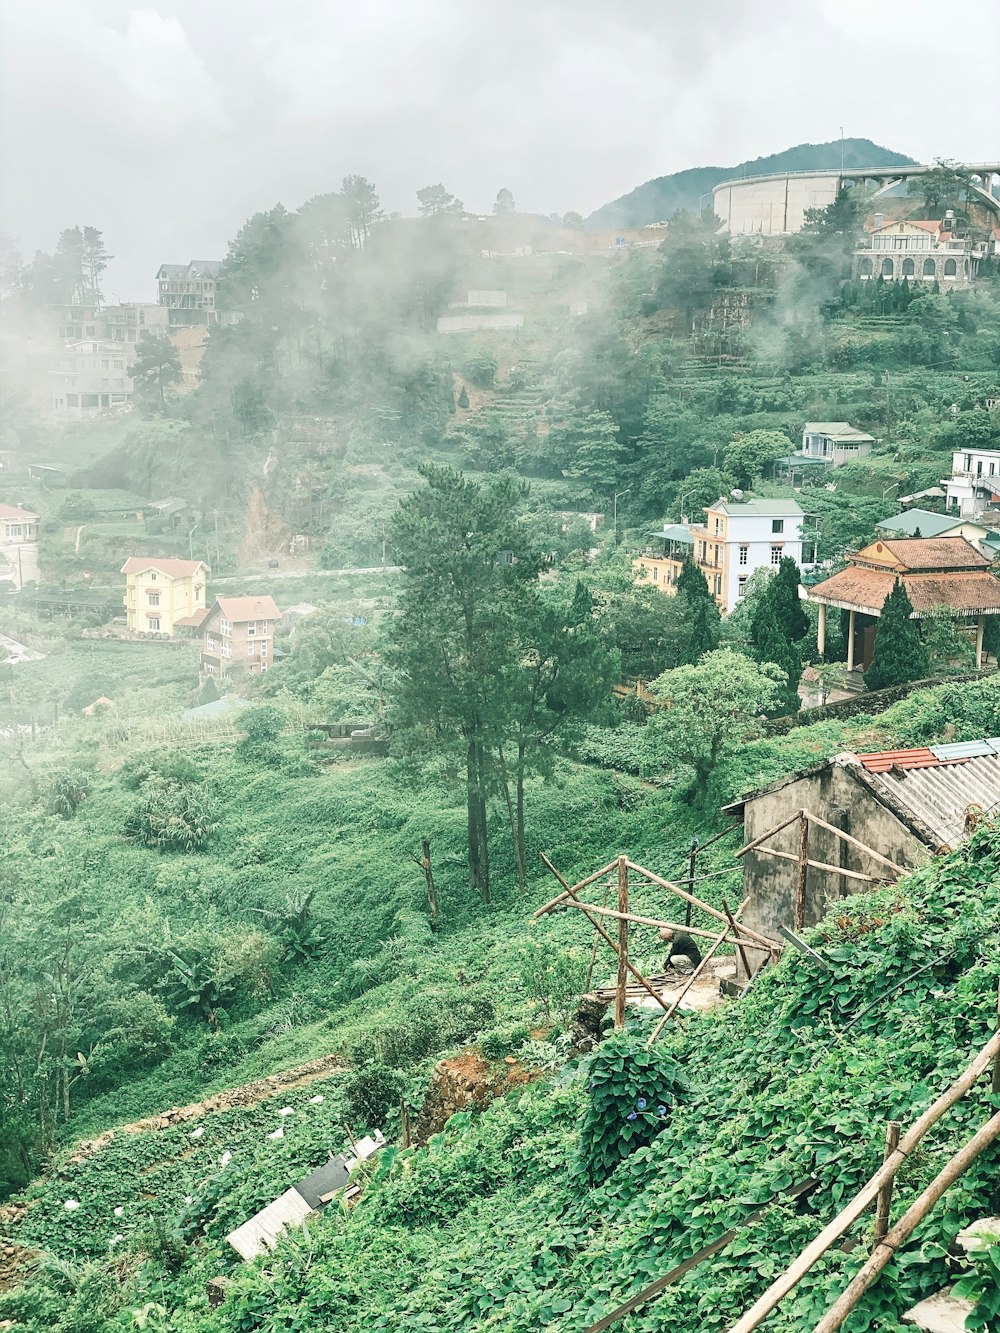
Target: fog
x: 166, y: 125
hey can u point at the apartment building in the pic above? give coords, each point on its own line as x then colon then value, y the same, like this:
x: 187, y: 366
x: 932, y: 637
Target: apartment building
x: 974, y: 484
x: 90, y: 376
x: 188, y: 291
x: 736, y: 539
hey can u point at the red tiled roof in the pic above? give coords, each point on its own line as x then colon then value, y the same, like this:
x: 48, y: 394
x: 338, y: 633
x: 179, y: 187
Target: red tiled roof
x: 238, y: 610
x: 929, y: 552
x: 174, y: 569
x: 193, y: 621
x: 18, y: 515
x: 886, y: 759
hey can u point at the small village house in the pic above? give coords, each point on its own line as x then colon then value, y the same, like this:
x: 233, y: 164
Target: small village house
x: 917, y: 251
x: 188, y: 291
x: 18, y: 545
x: 835, y: 442
x: 737, y: 538
x: 936, y: 572
x: 239, y: 631
x: 162, y: 595
x: 924, y: 523
x: 905, y: 805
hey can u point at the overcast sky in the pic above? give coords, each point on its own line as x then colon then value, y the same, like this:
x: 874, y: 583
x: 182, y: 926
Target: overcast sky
x: 167, y: 124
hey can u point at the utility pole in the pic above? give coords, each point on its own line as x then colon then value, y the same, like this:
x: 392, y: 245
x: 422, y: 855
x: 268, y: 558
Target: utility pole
x: 618, y: 496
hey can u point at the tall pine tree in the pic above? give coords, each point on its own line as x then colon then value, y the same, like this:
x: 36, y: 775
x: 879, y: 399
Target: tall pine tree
x: 783, y: 593
x: 899, y: 655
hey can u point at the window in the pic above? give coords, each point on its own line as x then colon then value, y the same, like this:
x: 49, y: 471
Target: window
x: 251, y: 628
x: 908, y: 268
x: 775, y: 555
x: 654, y: 573
x: 251, y: 650
x: 119, y: 365
x: 887, y: 268
x: 224, y: 627
x: 104, y: 365
x: 152, y: 575
x: 703, y: 546
x: 777, y: 525
x: 209, y: 644
x: 950, y: 268
x: 865, y: 268
x: 153, y: 598
x: 153, y: 622
x: 225, y: 650
x: 929, y: 268
x: 741, y: 586
x: 105, y: 384
x: 717, y: 585
x: 119, y: 384
x: 744, y: 552
x: 14, y: 530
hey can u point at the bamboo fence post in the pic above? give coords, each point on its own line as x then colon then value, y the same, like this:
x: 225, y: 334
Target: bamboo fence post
x: 752, y: 846
x: 692, y: 861
x: 907, y: 1224
x: 597, y: 936
x: 884, y: 1205
x: 622, y: 944
x: 739, y: 943
x: 568, y: 890
x: 996, y: 1061
x: 793, y: 1274
x: 803, y: 871
x: 404, y: 1118
x: 588, y: 908
x: 425, y: 862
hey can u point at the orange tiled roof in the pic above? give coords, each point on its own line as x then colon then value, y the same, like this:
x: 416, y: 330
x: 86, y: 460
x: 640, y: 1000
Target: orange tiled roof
x: 919, y: 553
x: 866, y: 590
x: 17, y: 515
x: 882, y: 762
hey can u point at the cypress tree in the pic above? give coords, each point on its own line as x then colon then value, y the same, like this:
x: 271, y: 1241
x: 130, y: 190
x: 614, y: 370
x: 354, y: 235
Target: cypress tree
x: 771, y: 644
x: 899, y: 655
x: 463, y: 397
x: 700, y: 616
x: 783, y: 594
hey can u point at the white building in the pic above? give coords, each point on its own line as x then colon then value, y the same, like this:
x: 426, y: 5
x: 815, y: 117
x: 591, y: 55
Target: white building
x: 18, y: 546
x: 975, y: 481
x: 91, y: 377
x: 735, y: 540
x: 917, y: 251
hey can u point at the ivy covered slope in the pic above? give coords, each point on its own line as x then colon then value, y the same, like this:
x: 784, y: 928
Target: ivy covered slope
x: 563, y: 1199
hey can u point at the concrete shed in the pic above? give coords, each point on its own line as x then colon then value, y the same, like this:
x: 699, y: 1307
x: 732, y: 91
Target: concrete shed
x: 905, y: 805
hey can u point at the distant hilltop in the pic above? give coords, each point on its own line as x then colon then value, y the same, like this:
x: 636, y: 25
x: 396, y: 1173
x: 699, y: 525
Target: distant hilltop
x: 660, y: 198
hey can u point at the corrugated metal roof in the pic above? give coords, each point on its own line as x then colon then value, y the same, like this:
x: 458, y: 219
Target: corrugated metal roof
x: 965, y: 749
x: 942, y: 795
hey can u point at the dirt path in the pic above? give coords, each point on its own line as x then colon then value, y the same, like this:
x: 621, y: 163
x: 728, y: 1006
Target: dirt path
x: 248, y: 1094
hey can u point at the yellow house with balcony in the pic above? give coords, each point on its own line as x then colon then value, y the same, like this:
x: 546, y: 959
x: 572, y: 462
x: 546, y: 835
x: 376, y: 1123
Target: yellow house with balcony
x: 161, y: 595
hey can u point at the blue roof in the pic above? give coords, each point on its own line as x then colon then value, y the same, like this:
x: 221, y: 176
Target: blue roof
x: 929, y: 524
x: 966, y: 749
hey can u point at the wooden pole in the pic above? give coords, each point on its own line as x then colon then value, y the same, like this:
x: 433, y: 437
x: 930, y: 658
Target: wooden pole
x: 803, y: 871
x: 884, y: 1205
x: 622, y: 944
x: 907, y: 1224
x: 793, y: 1274
x: 692, y: 979
x: 856, y: 842
x: 823, y: 865
x: 603, y: 933
x: 739, y: 944
x: 996, y: 1059
x: 425, y: 861
x: 637, y: 920
x: 404, y: 1121
x: 752, y: 846
x: 692, y: 860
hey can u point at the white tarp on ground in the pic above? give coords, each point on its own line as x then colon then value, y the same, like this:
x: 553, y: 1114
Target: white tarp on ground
x: 262, y: 1231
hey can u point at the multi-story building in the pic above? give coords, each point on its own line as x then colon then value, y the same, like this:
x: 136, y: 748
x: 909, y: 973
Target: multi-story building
x: 239, y: 631
x: 18, y: 546
x: 90, y: 377
x: 918, y: 251
x: 736, y: 539
x: 127, y: 322
x: 835, y: 442
x: 164, y: 595
x: 975, y: 481
x: 188, y: 291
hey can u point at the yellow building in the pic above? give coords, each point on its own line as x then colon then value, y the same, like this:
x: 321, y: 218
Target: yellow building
x: 161, y: 595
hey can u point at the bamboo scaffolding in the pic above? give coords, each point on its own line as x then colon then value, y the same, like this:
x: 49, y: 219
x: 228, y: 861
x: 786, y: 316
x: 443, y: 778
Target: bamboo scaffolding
x: 907, y: 1224
x: 855, y: 842
x: 883, y: 1208
x: 698, y: 902
x: 622, y: 980
x: 571, y: 890
x: 637, y: 920
x: 792, y: 1275
x: 739, y: 943
x: 601, y: 931
x: 752, y: 846
x: 822, y: 865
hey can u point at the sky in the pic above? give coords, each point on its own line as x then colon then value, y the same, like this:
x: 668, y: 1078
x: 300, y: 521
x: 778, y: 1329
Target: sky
x: 166, y: 125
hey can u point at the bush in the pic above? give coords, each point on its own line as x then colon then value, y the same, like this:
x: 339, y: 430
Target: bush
x: 171, y: 819
x: 632, y: 1092
x: 373, y: 1092
x: 502, y: 1041
x: 67, y: 793
x: 481, y: 369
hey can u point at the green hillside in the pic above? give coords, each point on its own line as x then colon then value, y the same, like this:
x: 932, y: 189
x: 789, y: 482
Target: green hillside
x: 660, y: 198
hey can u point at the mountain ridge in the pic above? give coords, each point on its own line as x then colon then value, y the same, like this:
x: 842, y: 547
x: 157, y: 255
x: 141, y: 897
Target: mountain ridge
x: 657, y: 199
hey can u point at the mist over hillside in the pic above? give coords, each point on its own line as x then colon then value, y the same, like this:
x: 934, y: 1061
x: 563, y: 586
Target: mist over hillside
x: 659, y: 198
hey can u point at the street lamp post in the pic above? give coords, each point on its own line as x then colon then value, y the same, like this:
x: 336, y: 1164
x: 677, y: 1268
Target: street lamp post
x: 683, y: 498
x: 618, y: 496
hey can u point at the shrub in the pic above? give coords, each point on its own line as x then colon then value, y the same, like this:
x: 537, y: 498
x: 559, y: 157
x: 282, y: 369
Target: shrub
x: 373, y: 1092
x: 502, y: 1041
x: 171, y: 819
x: 632, y: 1092
x: 67, y: 793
